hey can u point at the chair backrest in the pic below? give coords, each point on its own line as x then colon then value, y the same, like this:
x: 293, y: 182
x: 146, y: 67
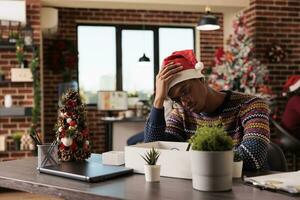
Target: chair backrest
x: 287, y: 141
x: 275, y: 158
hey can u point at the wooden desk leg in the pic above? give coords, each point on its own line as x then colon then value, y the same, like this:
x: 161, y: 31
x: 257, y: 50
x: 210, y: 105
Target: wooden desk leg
x: 109, y: 133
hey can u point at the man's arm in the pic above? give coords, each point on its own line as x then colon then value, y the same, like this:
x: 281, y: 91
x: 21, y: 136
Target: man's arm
x: 156, y: 129
x: 254, y: 146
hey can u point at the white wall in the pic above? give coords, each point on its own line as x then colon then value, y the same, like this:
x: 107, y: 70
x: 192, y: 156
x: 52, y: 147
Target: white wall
x: 228, y: 17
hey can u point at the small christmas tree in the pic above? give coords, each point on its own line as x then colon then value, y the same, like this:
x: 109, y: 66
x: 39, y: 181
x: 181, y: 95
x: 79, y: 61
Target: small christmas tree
x: 71, y: 129
x: 235, y: 66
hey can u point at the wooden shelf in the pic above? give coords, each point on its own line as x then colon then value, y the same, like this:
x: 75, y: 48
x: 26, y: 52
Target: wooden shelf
x: 15, y: 111
x: 12, y: 46
x: 15, y: 83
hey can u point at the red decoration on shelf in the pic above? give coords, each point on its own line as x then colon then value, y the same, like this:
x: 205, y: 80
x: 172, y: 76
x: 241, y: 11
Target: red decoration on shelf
x: 63, y: 54
x: 63, y: 57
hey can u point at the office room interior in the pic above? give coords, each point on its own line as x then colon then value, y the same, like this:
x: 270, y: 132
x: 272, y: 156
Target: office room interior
x: 81, y: 82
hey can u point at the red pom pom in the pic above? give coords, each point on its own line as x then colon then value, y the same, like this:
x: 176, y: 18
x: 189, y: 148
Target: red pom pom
x: 73, y: 123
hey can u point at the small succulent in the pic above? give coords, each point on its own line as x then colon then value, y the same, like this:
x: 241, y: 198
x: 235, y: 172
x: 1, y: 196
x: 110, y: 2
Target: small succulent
x: 237, y: 157
x: 151, y: 156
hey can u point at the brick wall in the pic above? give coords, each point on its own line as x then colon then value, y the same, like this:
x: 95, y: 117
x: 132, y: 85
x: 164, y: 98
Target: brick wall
x: 22, y: 93
x: 277, y: 21
x: 67, y: 30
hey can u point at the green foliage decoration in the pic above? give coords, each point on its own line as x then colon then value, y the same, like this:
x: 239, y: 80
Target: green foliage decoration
x: 36, y: 110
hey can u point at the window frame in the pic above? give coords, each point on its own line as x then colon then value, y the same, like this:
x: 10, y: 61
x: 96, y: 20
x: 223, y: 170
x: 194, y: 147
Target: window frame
x: 119, y: 28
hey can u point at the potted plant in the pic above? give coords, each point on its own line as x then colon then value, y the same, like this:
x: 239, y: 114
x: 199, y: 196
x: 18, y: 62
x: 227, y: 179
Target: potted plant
x: 237, y: 167
x: 152, y: 170
x: 211, y: 159
x: 13, y: 37
x: 133, y: 98
x: 20, y: 52
x: 17, y: 138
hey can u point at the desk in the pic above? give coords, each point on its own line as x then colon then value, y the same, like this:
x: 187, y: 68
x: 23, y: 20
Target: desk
x: 22, y: 175
x: 119, y: 130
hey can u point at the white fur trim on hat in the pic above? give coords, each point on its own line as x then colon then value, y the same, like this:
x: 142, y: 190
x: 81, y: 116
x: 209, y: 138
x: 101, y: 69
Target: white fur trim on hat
x: 294, y: 87
x: 186, y: 75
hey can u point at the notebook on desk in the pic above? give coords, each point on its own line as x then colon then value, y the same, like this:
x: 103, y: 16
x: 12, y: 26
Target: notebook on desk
x: 86, y: 171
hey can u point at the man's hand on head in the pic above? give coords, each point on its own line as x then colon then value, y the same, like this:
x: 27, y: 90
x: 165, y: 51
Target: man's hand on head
x: 163, y: 78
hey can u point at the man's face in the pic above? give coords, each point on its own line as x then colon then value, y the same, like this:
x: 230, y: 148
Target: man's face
x: 190, y: 94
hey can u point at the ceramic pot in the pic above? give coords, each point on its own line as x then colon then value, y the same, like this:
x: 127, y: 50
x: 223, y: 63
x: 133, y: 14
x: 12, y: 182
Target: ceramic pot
x: 212, y: 170
x: 152, y: 173
x: 237, y: 169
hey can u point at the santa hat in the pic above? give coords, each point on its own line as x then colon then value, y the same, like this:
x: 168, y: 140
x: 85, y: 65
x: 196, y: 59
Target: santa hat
x: 292, y: 84
x: 191, y: 67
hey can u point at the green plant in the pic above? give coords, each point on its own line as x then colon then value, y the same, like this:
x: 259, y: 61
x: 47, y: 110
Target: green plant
x: 20, y: 51
x: 237, y: 157
x: 211, y: 138
x: 151, y: 156
x: 14, y: 35
x: 17, y: 136
x: 132, y: 94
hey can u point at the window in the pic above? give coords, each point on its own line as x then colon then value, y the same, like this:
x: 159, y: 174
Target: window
x: 108, y: 56
x: 137, y: 77
x: 174, y: 39
x: 97, y: 60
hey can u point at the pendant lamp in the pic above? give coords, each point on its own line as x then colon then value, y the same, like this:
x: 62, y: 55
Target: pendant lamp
x: 208, y: 22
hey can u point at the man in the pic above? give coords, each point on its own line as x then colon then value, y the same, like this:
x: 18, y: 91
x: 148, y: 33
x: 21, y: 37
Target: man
x: 291, y: 115
x: 245, y: 117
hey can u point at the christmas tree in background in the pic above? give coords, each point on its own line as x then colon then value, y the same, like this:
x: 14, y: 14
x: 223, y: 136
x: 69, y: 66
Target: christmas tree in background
x: 71, y: 129
x: 235, y: 67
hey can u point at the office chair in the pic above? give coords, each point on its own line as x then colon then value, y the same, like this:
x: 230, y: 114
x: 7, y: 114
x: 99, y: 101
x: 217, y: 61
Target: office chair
x: 288, y: 142
x: 276, y: 159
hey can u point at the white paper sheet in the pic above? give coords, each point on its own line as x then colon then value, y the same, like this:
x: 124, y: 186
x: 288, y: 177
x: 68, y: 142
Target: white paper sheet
x: 289, y: 181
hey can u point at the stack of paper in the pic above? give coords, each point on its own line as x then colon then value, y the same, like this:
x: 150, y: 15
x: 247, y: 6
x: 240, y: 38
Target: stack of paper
x: 289, y: 181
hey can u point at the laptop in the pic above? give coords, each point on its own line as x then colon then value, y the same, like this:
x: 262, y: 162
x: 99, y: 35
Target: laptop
x: 86, y: 171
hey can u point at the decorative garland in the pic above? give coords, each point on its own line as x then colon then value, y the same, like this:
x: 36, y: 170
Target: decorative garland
x: 36, y: 110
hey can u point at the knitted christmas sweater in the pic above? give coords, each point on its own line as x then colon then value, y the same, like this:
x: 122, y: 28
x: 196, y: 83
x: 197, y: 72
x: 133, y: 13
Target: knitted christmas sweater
x: 245, y: 118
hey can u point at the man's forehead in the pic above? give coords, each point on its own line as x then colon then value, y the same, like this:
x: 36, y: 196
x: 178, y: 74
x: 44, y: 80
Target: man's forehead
x: 175, y: 90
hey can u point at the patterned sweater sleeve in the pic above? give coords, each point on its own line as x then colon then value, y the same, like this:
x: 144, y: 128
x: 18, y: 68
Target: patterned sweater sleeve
x: 156, y: 128
x: 254, y: 117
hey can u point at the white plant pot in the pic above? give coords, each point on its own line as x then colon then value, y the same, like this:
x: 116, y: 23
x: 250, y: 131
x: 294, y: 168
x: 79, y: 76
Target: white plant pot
x: 132, y: 101
x: 129, y: 113
x: 237, y: 169
x: 212, y: 170
x: 152, y: 173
